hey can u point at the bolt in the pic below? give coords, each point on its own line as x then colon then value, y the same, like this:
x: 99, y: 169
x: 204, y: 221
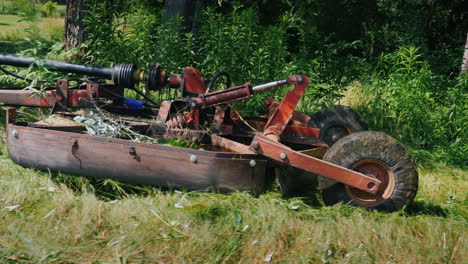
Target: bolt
x: 193, y: 158
x: 255, y: 145
x: 15, y: 134
x: 132, y: 151
x: 370, y: 185
x: 283, y: 155
x: 194, y: 104
x: 299, y: 79
x: 253, y: 163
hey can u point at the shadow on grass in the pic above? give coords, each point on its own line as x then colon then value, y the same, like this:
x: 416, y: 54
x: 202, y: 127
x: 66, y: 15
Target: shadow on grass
x: 310, y: 198
x: 422, y: 208
x: 8, y: 47
x: 103, y: 189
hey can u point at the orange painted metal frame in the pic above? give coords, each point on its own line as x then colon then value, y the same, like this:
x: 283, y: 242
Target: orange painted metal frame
x: 280, y: 153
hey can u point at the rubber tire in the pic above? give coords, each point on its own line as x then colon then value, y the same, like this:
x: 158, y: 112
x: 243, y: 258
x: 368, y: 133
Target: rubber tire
x: 337, y: 115
x: 378, y: 146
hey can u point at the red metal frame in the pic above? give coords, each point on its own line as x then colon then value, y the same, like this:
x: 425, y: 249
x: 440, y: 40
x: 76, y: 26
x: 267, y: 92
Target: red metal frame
x: 193, y: 82
x: 280, y: 153
x: 64, y: 96
x: 281, y: 116
x: 283, y: 124
x: 225, y: 96
x: 271, y: 104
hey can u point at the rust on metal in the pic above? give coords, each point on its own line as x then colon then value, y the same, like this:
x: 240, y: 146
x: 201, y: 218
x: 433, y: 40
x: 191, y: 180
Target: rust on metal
x: 226, y: 96
x: 315, y: 152
x: 164, y: 109
x: 281, y: 116
x: 230, y: 145
x: 240, y: 152
x: 10, y: 115
x: 174, y: 81
x: 62, y: 96
x: 297, y: 131
x: 28, y: 98
x: 378, y: 170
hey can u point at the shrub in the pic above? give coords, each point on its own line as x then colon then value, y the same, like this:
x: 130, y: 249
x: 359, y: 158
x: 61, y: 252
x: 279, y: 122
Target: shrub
x: 18, y: 7
x: 415, y: 105
x: 49, y: 9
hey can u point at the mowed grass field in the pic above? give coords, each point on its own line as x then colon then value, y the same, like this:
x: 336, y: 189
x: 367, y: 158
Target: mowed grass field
x: 16, y: 28
x: 53, y: 218
x: 11, y: 23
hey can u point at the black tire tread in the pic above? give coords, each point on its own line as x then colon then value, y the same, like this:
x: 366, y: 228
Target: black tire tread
x: 338, y: 114
x: 372, y: 145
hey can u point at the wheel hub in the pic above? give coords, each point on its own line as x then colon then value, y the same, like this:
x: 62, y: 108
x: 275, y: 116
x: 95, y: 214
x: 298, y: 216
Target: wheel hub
x: 375, y: 169
x: 334, y: 132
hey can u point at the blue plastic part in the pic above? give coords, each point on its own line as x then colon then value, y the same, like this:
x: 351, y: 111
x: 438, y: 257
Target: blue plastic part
x: 133, y: 104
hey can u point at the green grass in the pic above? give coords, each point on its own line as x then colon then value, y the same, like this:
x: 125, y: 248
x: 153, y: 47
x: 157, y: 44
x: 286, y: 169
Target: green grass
x: 8, y: 21
x: 65, y: 219
x: 12, y: 25
x: 14, y: 28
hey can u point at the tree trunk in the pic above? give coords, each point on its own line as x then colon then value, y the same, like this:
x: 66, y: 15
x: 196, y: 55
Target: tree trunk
x: 189, y: 10
x: 464, y: 67
x: 75, y: 33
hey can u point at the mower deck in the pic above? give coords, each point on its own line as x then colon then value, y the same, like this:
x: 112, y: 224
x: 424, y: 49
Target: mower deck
x: 135, y: 162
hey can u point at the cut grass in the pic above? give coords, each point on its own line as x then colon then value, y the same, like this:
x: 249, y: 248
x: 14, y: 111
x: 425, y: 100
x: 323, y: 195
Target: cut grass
x: 56, y: 223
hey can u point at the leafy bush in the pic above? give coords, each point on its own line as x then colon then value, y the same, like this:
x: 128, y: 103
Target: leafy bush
x: 49, y: 9
x: 234, y: 41
x: 18, y: 7
x: 410, y: 102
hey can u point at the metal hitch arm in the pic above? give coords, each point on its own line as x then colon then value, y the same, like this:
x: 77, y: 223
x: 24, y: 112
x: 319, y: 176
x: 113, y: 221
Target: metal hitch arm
x: 268, y: 145
x: 281, y: 153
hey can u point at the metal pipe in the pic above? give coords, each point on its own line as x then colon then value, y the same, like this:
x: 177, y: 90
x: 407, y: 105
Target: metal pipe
x: 58, y: 66
x: 269, y: 85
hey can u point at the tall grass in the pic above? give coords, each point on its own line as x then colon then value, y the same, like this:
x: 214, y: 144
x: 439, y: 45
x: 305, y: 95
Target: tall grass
x: 404, y: 98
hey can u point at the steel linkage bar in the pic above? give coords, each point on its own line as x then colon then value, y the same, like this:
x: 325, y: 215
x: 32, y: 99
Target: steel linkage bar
x: 281, y: 153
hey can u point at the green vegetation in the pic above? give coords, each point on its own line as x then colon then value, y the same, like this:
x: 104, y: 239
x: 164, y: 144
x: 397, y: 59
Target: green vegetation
x: 44, y: 8
x: 24, y: 23
x: 374, y: 58
x: 14, y: 29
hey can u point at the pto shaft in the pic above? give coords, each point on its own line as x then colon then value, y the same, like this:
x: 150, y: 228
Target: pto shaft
x: 57, y: 65
x: 124, y: 75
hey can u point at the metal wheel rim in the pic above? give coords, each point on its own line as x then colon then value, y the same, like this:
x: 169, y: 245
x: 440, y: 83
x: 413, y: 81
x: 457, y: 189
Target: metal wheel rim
x: 335, y: 132
x: 376, y: 169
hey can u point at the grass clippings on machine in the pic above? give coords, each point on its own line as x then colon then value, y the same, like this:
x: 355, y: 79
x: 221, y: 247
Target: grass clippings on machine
x: 331, y: 149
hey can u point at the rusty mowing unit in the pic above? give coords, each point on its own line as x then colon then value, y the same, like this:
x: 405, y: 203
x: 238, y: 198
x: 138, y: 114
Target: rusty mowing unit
x: 331, y: 150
